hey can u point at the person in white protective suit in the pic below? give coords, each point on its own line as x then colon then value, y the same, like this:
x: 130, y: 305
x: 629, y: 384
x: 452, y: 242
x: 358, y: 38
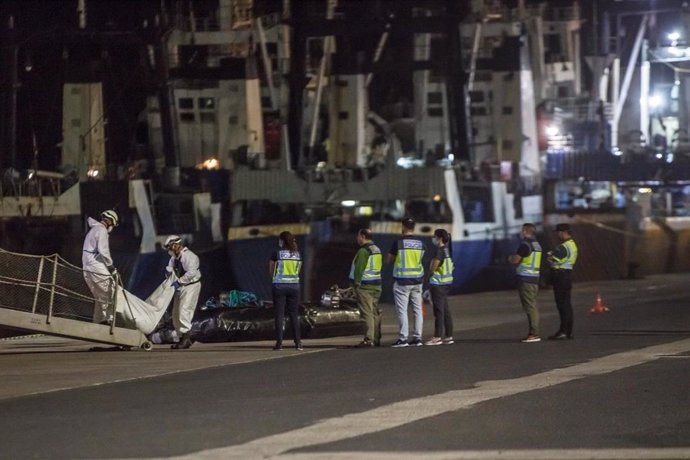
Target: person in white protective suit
x: 99, y: 271
x: 185, y: 265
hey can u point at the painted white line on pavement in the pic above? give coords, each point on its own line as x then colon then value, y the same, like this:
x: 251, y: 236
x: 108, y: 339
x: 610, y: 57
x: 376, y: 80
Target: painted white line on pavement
x: 412, y: 410
x: 158, y: 374
x: 670, y: 453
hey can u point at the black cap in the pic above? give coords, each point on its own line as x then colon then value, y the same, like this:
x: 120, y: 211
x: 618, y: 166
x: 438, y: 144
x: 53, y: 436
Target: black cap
x: 563, y: 228
x: 408, y: 222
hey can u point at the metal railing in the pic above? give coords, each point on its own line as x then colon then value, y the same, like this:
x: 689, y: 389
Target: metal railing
x: 51, y: 286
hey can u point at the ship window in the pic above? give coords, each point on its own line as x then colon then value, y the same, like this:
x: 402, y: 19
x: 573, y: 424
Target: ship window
x: 232, y: 120
x: 206, y: 103
x: 185, y: 103
x: 435, y: 98
x: 266, y: 102
x: 593, y: 195
x: 207, y: 117
x: 507, y: 110
x: 507, y: 144
x: 76, y: 122
x: 435, y: 111
x: 478, y: 111
x: 482, y: 75
x: 343, y: 115
x: 552, y: 43
x: 429, y: 211
x: 477, y: 96
x: 264, y: 212
x: 186, y: 117
x: 477, y: 205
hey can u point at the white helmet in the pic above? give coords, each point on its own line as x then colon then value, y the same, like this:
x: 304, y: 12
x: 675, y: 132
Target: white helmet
x: 172, y: 239
x: 112, y: 216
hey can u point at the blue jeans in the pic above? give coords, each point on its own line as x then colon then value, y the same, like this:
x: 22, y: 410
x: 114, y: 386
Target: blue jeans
x: 405, y: 295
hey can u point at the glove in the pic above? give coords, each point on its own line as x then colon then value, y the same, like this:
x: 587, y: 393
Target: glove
x: 176, y: 285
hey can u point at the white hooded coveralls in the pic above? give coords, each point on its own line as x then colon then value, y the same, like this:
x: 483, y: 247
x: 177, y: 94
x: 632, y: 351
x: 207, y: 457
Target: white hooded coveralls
x: 98, y: 264
x: 186, y: 267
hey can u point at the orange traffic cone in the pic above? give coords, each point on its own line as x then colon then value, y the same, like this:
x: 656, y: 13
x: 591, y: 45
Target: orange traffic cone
x: 599, y: 306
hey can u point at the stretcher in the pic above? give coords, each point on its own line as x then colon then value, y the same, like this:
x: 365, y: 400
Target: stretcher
x: 47, y: 294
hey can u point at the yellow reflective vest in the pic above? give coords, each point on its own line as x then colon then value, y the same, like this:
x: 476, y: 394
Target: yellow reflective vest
x: 287, y: 267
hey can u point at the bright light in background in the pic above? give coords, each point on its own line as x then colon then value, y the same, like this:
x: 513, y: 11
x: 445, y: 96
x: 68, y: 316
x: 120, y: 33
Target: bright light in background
x: 211, y: 163
x: 92, y: 173
x: 617, y: 152
x: 659, y: 156
x: 365, y: 211
x: 437, y: 198
x: 674, y: 37
x: 552, y: 130
x: 656, y: 101
x: 644, y: 190
x: 348, y: 203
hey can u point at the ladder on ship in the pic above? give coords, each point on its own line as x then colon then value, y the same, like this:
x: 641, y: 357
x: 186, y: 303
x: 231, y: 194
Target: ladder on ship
x: 47, y: 294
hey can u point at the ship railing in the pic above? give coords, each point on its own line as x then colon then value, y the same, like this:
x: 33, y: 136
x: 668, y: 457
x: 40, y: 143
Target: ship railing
x: 33, y: 184
x: 198, y: 24
x: 543, y: 10
x: 578, y: 109
x: 47, y: 294
x: 213, y: 59
x: 52, y: 287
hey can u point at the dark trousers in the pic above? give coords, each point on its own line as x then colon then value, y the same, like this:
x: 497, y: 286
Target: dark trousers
x: 286, y: 295
x: 562, y: 288
x: 443, y: 321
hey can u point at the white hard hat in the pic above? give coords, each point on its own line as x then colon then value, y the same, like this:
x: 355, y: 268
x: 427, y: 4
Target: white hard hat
x: 112, y: 216
x: 172, y: 239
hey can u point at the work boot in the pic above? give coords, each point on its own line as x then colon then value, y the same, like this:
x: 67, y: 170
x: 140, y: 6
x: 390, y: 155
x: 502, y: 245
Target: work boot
x: 184, y: 343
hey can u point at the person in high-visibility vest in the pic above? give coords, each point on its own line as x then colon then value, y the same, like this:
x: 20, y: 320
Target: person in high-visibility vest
x: 365, y: 278
x: 528, y: 260
x: 562, y: 261
x: 406, y: 256
x: 440, y: 280
x: 284, y: 269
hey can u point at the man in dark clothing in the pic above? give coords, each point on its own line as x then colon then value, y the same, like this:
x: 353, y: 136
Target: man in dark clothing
x: 562, y: 261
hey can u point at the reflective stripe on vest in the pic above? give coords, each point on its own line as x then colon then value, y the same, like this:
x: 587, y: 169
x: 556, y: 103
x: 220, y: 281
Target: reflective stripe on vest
x: 444, y: 272
x: 408, y: 261
x: 372, y: 272
x: 568, y: 262
x: 529, y: 266
x: 287, y: 268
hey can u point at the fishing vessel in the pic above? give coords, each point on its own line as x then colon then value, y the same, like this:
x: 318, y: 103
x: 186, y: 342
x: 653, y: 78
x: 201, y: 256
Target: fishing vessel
x: 264, y: 116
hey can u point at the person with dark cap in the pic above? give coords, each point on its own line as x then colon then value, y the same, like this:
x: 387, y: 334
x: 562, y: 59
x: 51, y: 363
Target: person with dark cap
x: 562, y: 261
x: 527, y: 259
x: 365, y: 278
x: 406, y: 256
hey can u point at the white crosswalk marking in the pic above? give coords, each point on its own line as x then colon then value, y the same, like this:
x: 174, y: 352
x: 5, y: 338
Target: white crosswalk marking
x: 409, y: 411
